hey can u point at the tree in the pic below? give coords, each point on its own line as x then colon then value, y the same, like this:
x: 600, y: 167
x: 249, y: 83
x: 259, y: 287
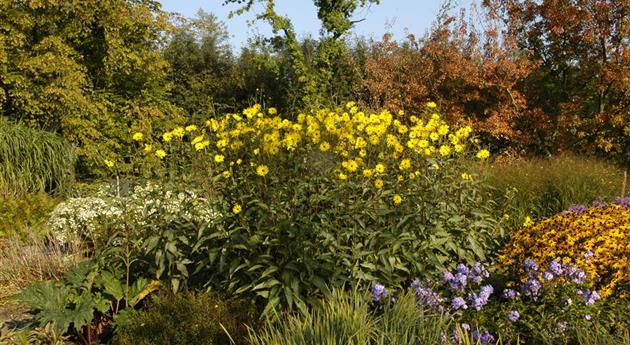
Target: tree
x: 583, y: 81
x: 89, y: 70
x: 315, y: 78
x: 474, y: 75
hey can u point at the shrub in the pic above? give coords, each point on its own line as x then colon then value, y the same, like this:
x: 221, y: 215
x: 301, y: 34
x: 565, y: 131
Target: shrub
x: 187, y: 318
x: 93, y: 295
x: 542, y: 187
x: 337, y: 196
x: 25, y: 214
x: 600, y: 233
x: 33, y: 161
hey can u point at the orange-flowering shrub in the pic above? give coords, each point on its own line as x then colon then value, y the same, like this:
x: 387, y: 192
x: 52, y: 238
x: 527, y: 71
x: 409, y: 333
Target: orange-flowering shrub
x: 596, y: 239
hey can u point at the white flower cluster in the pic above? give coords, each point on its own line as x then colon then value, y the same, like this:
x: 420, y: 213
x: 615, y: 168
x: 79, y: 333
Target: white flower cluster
x: 84, y: 217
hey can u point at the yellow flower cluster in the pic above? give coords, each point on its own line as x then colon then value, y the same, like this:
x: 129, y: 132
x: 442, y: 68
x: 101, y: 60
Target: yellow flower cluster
x: 604, y: 231
x: 375, y: 148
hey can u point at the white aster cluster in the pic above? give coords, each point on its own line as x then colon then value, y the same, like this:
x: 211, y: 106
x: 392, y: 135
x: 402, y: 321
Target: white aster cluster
x: 87, y: 217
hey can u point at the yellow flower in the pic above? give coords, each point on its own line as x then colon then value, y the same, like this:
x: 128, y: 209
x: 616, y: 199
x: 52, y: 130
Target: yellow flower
x: 160, y: 154
x: 435, y: 166
x: 202, y: 145
x: 219, y: 158
x: 148, y: 148
x: 431, y: 105
x: 262, y: 170
x: 467, y: 177
x: 397, y: 199
x: 483, y: 154
x: 443, y: 130
x: 528, y: 221
x: 342, y: 176
x: 137, y: 136
x: 109, y: 163
x: 351, y: 166
x: 239, y: 161
x: 405, y: 164
x: 445, y: 150
x: 191, y: 128
x: 378, y: 183
x: 324, y: 146
x: 226, y: 174
x: 168, y: 136
x: 272, y: 111
x: 401, y: 112
x: 179, y: 132
x: 368, y: 172
x: 379, y: 168
x: 237, y: 209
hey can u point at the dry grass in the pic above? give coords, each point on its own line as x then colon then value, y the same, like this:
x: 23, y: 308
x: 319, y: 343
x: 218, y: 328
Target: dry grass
x: 22, y: 262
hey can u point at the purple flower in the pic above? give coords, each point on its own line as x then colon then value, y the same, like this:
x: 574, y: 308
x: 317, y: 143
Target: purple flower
x: 513, y: 315
x: 589, y: 296
x: 478, y: 273
x: 459, y: 282
x: 379, y: 292
x: 459, y: 303
x: 463, y: 269
x: 531, y: 287
x: 556, y: 268
x: 486, y: 291
x: 599, y: 203
x: 547, y: 276
x: 425, y: 296
x: 466, y: 327
x: 447, y: 277
x: 530, y: 265
x: 587, y: 317
x: 509, y: 294
x: 588, y: 254
x: 577, y: 209
x: 484, y: 337
x: 576, y: 275
x: 625, y: 202
x: 569, y: 301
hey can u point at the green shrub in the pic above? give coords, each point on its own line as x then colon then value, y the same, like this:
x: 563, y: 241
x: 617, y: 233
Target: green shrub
x: 25, y: 214
x: 187, y: 318
x: 335, y: 197
x: 92, y: 296
x: 33, y: 161
x: 542, y: 187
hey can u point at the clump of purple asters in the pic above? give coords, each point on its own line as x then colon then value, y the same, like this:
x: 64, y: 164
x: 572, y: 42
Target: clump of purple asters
x: 513, y: 316
x: 556, y: 268
x: 590, y: 297
x: 574, y: 274
x: 509, y: 294
x: 530, y: 266
x: 547, y: 276
x: 576, y: 209
x: 625, y: 202
x: 531, y: 287
x: 425, y: 296
x: 481, y: 299
x: 459, y: 303
x: 478, y: 273
x: 485, y: 337
x: 379, y: 292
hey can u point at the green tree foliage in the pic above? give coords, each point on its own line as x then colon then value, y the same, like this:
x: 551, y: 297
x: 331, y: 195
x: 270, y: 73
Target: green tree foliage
x: 319, y: 75
x: 89, y: 70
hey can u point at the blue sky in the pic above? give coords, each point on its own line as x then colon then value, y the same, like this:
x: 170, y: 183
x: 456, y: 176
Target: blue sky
x: 396, y: 16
